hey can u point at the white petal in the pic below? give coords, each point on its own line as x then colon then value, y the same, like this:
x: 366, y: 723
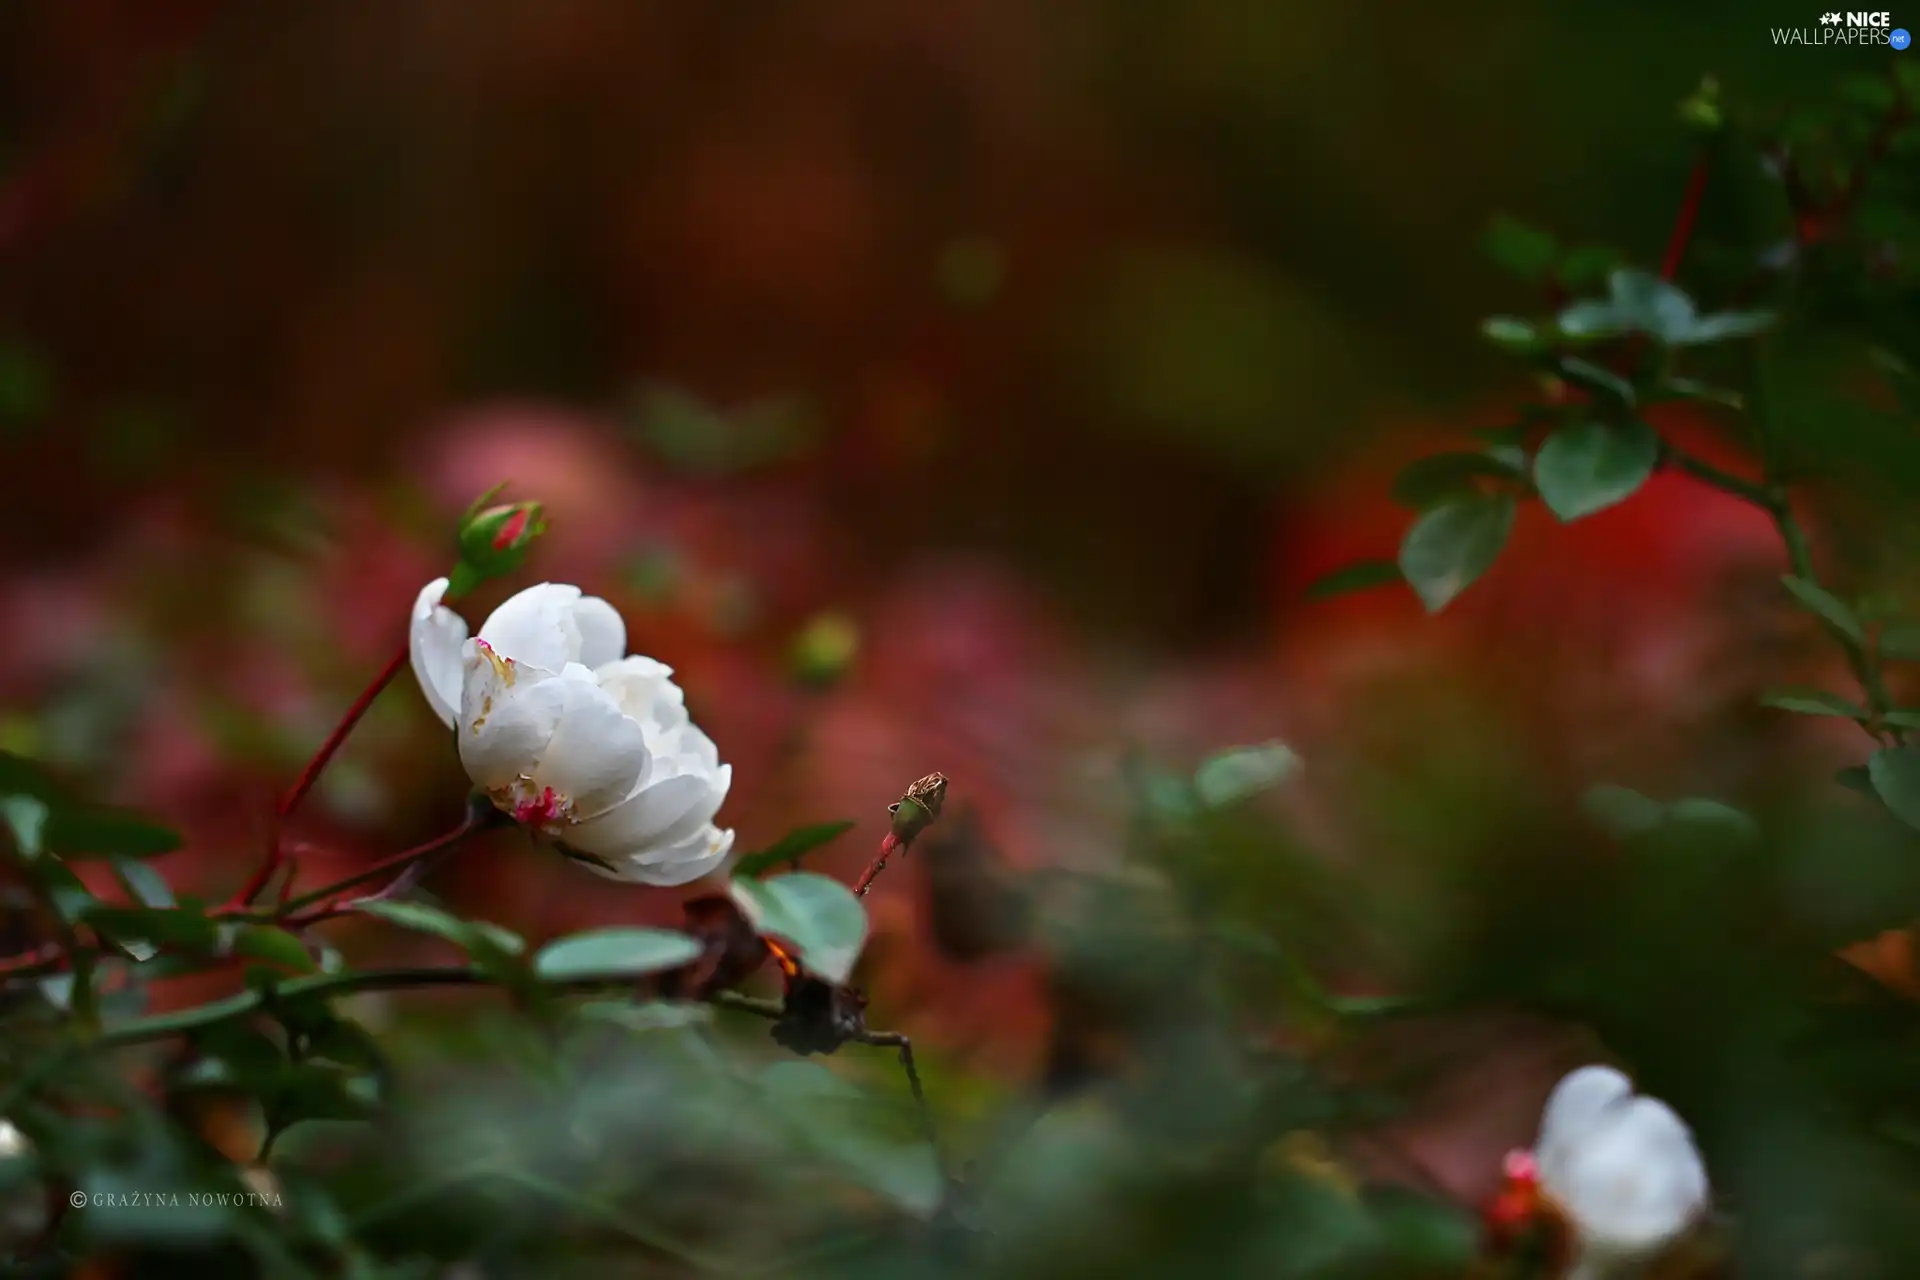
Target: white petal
x: 1578, y: 1103
x: 677, y: 864
x: 603, y: 634
x: 597, y: 755
x: 1636, y: 1183
x: 660, y: 813
x: 641, y: 686
x: 536, y: 627
x: 434, y: 640
x: 507, y: 716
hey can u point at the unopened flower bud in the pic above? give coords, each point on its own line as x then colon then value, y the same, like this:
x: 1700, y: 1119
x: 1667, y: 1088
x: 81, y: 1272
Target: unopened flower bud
x: 916, y: 810
x: 494, y: 540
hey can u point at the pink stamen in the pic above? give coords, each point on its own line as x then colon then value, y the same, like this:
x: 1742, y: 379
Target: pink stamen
x: 1520, y: 1166
x: 543, y: 808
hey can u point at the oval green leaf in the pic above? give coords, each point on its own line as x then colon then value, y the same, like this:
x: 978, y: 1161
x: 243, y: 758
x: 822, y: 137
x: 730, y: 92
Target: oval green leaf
x: 469, y: 935
x: 276, y: 947
x: 1813, y: 702
x: 615, y: 953
x: 1827, y: 606
x: 1426, y: 481
x: 790, y: 848
x: 1895, y: 773
x: 1244, y: 771
x: 1451, y: 545
x: 1363, y: 575
x: 817, y: 915
x: 1586, y: 467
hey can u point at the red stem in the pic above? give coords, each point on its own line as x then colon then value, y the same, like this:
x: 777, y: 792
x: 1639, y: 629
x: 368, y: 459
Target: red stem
x: 311, y: 774
x: 1684, y: 220
x: 42, y: 960
x: 888, y: 843
x: 397, y: 862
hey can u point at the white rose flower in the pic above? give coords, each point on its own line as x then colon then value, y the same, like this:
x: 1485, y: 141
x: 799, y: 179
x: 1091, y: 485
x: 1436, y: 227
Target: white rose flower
x: 572, y: 737
x: 1622, y: 1168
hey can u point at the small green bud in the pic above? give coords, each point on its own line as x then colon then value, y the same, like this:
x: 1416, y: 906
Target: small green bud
x: 917, y: 809
x: 494, y: 540
x: 825, y: 648
x: 1701, y: 109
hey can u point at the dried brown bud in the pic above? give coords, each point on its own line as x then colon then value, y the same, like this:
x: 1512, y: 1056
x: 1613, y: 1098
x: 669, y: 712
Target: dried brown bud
x: 915, y: 811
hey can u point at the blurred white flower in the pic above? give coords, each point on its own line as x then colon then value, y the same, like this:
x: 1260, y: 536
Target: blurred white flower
x: 572, y: 737
x: 1622, y: 1168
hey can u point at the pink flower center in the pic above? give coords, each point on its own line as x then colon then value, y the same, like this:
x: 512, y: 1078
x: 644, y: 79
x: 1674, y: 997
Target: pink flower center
x: 1520, y: 1166
x: 539, y: 810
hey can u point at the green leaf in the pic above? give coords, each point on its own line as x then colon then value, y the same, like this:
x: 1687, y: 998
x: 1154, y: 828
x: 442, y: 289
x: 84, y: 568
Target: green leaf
x: 1826, y: 605
x: 790, y: 848
x: 1512, y: 334
x: 1900, y: 641
x: 1724, y: 327
x: 1587, y: 466
x: 231, y: 1054
x: 274, y: 946
x: 1587, y: 266
x: 1902, y: 718
x: 347, y: 1043
x: 1622, y: 812
x: 76, y: 829
x: 819, y: 917
x: 1651, y: 305
x: 1813, y: 702
x: 615, y: 953
x: 26, y: 819
x: 1363, y: 575
x: 1895, y: 773
x: 1590, y: 320
x: 423, y: 918
x: 319, y: 1091
x: 66, y: 892
x: 1596, y: 378
x: 181, y: 927
x: 1427, y: 481
x: 1452, y: 544
x: 144, y: 883
x: 648, y: 1015
x: 1527, y: 252
x: 1625, y: 813
x: 1689, y: 389
x: 1637, y: 302
x: 97, y: 832
x: 1234, y: 775
x: 1714, y: 813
